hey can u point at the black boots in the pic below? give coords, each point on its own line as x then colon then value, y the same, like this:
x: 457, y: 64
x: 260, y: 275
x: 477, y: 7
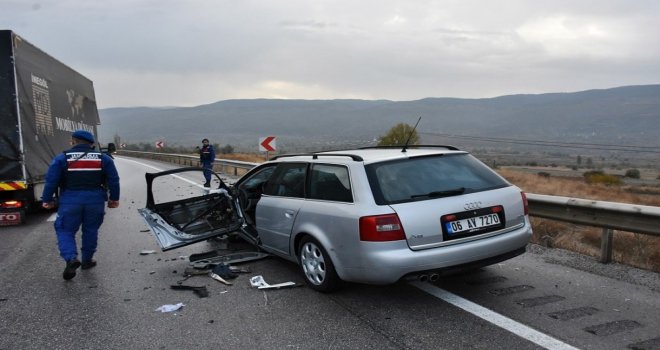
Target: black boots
x: 70, y: 269
x: 88, y: 264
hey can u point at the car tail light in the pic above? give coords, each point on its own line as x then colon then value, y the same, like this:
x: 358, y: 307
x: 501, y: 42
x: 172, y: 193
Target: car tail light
x: 525, y: 204
x: 11, y: 204
x: 496, y: 209
x: 381, y: 228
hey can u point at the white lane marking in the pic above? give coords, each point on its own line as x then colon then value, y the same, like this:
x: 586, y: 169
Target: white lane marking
x: 158, y: 169
x: 493, y: 317
x: 52, y: 217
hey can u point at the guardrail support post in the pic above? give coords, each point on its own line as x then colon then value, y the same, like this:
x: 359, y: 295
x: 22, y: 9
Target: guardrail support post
x: 606, y: 245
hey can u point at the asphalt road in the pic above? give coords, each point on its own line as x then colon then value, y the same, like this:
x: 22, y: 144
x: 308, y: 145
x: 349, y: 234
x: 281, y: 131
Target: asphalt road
x: 542, y: 299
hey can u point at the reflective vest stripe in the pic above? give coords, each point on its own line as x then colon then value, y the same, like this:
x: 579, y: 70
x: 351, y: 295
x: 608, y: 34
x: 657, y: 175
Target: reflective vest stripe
x: 84, y: 165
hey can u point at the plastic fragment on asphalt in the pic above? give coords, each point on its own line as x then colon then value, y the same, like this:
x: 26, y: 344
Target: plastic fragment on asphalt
x: 219, y: 279
x: 259, y: 282
x: 147, y: 252
x: 170, y: 307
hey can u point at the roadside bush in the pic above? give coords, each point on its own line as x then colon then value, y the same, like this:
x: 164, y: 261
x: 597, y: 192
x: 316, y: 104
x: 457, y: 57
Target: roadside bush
x: 227, y: 149
x: 633, y: 173
x: 543, y: 174
x: 599, y: 177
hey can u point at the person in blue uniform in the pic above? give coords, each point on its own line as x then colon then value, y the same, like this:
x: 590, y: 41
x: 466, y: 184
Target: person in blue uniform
x: 206, y: 158
x: 84, y: 177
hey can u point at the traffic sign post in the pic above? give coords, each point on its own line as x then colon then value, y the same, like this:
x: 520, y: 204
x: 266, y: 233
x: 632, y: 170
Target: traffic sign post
x: 160, y: 144
x: 267, y: 144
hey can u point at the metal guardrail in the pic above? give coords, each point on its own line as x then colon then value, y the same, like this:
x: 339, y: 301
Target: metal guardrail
x: 608, y: 215
x: 226, y: 166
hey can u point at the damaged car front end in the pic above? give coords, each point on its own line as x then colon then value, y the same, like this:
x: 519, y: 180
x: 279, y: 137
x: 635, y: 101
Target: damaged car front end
x: 182, y: 222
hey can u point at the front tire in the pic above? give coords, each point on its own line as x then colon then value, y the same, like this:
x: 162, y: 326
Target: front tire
x: 316, y: 266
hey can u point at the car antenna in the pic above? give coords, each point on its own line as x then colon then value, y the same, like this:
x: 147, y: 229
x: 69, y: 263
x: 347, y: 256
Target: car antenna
x: 410, y: 136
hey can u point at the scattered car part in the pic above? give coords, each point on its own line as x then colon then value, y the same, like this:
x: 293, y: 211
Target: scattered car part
x: 231, y: 258
x: 219, y: 279
x: 259, y: 282
x: 189, y: 271
x: 223, y: 270
x: 200, y: 291
x: 170, y: 307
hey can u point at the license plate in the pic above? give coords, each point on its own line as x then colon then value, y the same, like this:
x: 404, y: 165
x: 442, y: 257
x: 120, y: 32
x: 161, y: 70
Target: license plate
x: 472, y: 224
x: 10, y: 218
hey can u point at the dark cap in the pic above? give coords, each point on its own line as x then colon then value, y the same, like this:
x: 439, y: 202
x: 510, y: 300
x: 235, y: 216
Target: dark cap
x: 207, y: 140
x: 83, y: 135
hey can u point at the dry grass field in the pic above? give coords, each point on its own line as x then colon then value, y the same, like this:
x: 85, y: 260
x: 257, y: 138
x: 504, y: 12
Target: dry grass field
x: 634, y: 249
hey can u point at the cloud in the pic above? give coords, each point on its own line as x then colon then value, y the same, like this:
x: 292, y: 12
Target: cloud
x: 167, y: 52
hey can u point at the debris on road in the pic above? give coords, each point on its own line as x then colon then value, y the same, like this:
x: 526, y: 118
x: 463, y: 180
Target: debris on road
x: 259, y: 282
x: 200, y: 291
x: 227, y: 259
x: 170, y: 307
x: 147, y: 252
x: 223, y: 270
x: 219, y: 279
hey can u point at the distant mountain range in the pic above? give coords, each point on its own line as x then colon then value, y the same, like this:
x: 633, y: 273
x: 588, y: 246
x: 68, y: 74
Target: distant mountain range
x: 623, y: 116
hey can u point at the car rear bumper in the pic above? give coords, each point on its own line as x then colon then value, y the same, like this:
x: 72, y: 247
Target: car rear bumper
x: 385, y: 266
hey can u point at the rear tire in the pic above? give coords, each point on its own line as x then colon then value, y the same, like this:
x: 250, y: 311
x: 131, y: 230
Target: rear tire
x: 316, y: 266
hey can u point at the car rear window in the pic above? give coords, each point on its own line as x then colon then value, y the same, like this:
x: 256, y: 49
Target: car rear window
x: 428, y: 177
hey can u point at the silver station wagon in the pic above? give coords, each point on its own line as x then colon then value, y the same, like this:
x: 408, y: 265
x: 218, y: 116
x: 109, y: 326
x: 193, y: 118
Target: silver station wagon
x: 372, y: 215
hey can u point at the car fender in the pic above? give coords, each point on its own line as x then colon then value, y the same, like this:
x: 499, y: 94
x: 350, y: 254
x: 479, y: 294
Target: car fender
x: 309, y: 229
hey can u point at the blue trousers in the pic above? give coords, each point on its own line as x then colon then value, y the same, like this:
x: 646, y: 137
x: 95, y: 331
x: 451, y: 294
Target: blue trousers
x: 69, y: 219
x: 208, y: 167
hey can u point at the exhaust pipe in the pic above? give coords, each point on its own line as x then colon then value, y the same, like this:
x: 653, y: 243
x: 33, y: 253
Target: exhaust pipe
x: 434, y: 277
x: 423, y: 278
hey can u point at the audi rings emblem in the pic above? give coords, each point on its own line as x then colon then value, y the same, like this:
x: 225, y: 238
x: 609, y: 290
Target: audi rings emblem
x: 472, y: 205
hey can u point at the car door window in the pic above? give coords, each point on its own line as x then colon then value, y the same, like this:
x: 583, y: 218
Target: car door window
x: 330, y: 182
x: 288, y: 180
x: 258, y: 179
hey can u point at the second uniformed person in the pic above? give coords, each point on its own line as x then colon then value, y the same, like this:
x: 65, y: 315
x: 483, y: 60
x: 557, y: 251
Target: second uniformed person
x: 206, y: 158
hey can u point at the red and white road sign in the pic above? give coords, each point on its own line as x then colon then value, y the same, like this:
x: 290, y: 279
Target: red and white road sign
x: 160, y: 144
x: 267, y: 144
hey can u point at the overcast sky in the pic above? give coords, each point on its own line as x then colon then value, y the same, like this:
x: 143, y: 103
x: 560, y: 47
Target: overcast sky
x: 187, y: 53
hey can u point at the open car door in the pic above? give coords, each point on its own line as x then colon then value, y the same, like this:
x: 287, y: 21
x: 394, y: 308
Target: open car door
x: 182, y: 222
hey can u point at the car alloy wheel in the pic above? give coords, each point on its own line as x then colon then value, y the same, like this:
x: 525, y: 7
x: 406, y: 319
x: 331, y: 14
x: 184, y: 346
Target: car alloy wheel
x: 316, y: 266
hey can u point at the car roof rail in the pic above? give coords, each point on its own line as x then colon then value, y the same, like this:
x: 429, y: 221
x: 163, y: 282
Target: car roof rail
x: 451, y: 148
x: 317, y: 155
x: 352, y: 156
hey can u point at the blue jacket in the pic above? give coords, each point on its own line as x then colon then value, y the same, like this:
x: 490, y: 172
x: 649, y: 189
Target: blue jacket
x: 207, y: 154
x: 81, y: 180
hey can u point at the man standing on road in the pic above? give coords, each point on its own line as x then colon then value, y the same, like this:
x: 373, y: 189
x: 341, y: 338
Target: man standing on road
x: 84, y: 177
x: 206, y: 158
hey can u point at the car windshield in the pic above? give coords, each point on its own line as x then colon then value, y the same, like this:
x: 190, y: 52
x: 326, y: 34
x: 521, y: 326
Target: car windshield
x: 428, y: 177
